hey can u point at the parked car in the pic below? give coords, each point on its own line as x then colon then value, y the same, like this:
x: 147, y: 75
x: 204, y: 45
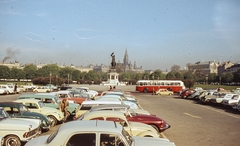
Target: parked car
x: 3, y: 91
x: 158, y: 123
x: 29, y: 86
x: 224, y: 97
x: 231, y: 101
x: 43, y: 89
x: 95, y: 133
x: 51, y: 100
x: 210, y: 95
x: 87, y: 105
x: 14, y: 131
x: 64, y: 87
x: 68, y: 94
x: 234, y: 101
x: 92, y: 93
x: 38, y: 106
x: 195, y: 95
x: 124, y: 96
x: 187, y: 92
x: 132, y: 104
x: 133, y: 128
x: 52, y: 87
x: 218, y: 99
x: 7, y: 88
x: 19, y: 110
x: 163, y: 92
x: 19, y: 89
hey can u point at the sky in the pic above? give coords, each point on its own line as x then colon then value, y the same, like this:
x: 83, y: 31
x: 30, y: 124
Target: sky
x: 157, y: 34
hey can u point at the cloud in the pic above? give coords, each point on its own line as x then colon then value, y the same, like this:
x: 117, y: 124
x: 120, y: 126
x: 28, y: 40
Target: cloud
x: 85, y: 34
x: 33, y: 37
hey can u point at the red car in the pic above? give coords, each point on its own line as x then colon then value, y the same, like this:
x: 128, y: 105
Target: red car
x: 186, y: 93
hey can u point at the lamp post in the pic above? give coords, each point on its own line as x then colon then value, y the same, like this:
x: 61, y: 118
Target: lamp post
x: 68, y: 79
x: 207, y: 80
x: 50, y: 77
x: 56, y: 79
x: 220, y: 79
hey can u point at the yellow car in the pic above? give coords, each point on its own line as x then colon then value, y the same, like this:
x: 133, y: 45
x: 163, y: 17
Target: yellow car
x: 163, y: 92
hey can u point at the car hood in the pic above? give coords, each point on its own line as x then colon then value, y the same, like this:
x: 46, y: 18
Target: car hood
x: 49, y: 110
x: 18, y: 123
x: 143, y: 141
x: 38, y: 141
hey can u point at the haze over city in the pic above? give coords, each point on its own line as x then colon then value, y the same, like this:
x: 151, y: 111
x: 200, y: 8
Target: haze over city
x: 157, y: 34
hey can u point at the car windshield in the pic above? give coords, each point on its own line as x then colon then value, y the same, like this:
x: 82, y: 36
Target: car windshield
x: 3, y: 114
x: 127, y: 137
x: 23, y: 108
x: 41, y: 104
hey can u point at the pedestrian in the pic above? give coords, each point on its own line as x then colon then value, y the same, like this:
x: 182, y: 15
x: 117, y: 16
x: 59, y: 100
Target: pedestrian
x: 63, y: 107
x: 110, y: 88
x: 15, y: 88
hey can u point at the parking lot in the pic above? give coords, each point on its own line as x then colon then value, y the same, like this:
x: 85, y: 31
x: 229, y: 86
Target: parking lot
x: 191, y: 123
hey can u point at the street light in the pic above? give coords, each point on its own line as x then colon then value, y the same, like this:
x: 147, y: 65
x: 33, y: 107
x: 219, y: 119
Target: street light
x: 68, y: 79
x: 56, y: 79
x: 207, y: 80
x: 50, y: 76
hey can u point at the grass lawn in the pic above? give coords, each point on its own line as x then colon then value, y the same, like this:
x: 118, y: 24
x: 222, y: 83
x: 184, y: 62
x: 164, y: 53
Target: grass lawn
x: 209, y: 86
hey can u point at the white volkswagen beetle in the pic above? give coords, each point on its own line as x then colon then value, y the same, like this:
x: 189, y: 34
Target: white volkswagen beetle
x: 95, y: 133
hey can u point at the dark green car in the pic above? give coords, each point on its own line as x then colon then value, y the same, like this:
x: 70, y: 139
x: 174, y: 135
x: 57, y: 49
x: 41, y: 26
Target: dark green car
x: 19, y: 110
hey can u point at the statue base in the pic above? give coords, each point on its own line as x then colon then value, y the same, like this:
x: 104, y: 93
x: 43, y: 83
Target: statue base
x: 112, y: 79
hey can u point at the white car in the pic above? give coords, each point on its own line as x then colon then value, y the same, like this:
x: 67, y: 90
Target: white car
x: 6, y: 87
x: 233, y: 101
x: 95, y: 133
x: 42, y: 89
x: 3, y: 91
x: 17, y: 130
x: 132, y: 104
x: 86, y: 90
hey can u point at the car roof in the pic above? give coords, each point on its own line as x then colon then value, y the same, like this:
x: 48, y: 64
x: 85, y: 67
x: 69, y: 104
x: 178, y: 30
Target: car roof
x: 9, y: 103
x: 101, y: 102
x: 89, y: 126
x: 27, y: 99
x: 37, y: 96
x: 114, y: 106
x: 104, y: 113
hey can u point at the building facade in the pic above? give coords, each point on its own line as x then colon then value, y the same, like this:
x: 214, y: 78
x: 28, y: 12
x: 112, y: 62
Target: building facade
x: 204, y: 67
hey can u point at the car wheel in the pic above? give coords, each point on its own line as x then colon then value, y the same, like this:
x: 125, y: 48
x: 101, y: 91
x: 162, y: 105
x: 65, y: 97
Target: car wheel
x: 170, y: 93
x: 53, y: 120
x: 145, y: 90
x: 12, y: 140
x: 155, y: 127
x: 35, y: 91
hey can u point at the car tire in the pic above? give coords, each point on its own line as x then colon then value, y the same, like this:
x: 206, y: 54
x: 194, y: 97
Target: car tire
x: 53, y: 120
x: 145, y: 90
x: 155, y: 127
x: 12, y: 140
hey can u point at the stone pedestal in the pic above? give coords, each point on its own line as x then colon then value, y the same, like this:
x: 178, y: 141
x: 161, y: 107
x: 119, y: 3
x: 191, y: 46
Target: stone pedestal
x: 112, y: 79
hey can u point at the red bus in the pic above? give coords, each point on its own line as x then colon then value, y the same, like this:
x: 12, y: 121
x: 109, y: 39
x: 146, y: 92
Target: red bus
x: 153, y: 85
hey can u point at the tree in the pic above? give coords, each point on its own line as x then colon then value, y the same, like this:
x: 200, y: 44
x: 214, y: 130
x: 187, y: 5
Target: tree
x: 158, y: 75
x: 170, y: 75
x: 175, y: 68
x: 227, y: 77
x: 4, y: 72
x: 30, y: 71
x: 236, y: 76
x: 179, y: 75
x: 17, y: 74
x: 188, y: 75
